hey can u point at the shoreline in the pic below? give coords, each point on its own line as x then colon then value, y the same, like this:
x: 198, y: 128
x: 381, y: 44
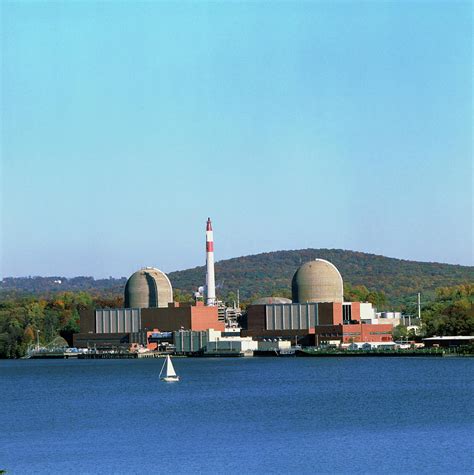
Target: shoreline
x: 297, y: 354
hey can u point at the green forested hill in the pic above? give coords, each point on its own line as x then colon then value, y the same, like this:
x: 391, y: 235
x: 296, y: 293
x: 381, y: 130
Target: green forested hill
x: 271, y: 272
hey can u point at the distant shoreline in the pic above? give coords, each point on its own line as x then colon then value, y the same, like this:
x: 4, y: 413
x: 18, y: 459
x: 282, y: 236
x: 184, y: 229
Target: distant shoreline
x: 298, y: 354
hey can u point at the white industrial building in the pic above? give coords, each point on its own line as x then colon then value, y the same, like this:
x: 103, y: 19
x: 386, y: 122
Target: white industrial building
x: 213, y: 342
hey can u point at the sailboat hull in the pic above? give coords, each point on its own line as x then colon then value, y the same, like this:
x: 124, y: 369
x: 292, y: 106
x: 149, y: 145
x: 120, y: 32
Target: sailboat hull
x: 170, y: 379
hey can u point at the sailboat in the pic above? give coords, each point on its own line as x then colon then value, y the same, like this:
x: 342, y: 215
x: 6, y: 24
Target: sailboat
x: 167, y: 372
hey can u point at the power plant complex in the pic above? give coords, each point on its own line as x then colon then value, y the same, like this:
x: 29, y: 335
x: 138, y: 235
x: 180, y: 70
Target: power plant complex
x: 316, y: 315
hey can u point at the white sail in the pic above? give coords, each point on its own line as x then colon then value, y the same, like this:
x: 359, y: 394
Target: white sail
x: 167, y: 372
x: 169, y: 367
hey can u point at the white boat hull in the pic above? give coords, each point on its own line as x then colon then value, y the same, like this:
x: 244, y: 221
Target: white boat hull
x: 170, y: 379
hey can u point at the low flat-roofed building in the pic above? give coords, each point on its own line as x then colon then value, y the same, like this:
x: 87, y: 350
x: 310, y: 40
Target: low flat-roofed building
x: 449, y: 341
x: 108, y: 341
x: 212, y: 342
x: 188, y: 342
x: 373, y: 345
x: 366, y: 332
x: 274, y: 345
x: 156, y: 340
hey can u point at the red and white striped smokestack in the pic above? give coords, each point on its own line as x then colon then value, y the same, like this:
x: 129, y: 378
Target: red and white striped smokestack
x: 210, y: 277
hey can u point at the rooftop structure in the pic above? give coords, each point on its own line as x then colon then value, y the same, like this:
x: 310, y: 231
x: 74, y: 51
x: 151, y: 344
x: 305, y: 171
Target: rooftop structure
x: 449, y: 341
x: 270, y: 300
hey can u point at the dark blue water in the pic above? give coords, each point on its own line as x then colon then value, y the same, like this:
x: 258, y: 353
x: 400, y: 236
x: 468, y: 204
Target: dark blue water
x: 256, y: 415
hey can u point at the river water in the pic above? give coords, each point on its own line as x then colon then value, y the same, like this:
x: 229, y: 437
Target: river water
x: 247, y: 415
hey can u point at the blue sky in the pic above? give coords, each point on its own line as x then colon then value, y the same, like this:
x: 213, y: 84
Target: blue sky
x: 293, y: 125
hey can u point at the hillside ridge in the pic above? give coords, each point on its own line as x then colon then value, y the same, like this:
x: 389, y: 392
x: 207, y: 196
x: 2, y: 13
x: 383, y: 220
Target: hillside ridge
x: 270, y: 273
x: 267, y: 273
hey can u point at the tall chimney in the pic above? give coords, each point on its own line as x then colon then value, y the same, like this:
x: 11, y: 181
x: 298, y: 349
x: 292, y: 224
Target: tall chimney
x: 210, y: 277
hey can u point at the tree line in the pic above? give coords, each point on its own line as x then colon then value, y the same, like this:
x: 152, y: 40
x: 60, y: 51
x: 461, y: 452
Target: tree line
x: 24, y: 318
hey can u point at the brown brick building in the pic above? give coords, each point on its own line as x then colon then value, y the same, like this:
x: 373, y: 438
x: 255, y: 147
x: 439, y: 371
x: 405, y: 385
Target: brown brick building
x: 313, y: 323
x: 123, y: 326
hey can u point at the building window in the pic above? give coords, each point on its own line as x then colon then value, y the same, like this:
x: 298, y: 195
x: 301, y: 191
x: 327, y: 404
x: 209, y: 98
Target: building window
x: 346, y: 314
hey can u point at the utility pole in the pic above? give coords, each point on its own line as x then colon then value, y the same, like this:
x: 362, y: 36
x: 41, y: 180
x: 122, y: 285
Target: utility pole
x: 419, y: 308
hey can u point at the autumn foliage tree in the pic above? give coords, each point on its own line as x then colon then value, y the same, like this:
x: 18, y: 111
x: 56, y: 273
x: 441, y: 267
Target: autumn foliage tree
x: 452, y: 312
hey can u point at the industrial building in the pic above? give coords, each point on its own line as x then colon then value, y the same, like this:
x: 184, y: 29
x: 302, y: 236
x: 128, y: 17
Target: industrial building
x: 227, y: 343
x: 317, y: 313
x: 448, y: 341
x: 311, y: 324
x: 386, y: 345
x: 213, y: 343
x: 120, y: 326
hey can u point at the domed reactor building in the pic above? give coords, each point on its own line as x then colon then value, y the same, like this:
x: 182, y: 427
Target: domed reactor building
x: 318, y: 314
x: 148, y: 288
x: 317, y: 281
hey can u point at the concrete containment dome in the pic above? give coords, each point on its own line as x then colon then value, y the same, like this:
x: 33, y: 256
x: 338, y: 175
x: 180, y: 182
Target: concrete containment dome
x: 270, y: 300
x: 147, y: 288
x: 317, y: 281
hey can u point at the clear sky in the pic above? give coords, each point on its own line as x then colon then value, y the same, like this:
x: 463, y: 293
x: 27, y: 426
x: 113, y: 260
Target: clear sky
x: 292, y: 125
